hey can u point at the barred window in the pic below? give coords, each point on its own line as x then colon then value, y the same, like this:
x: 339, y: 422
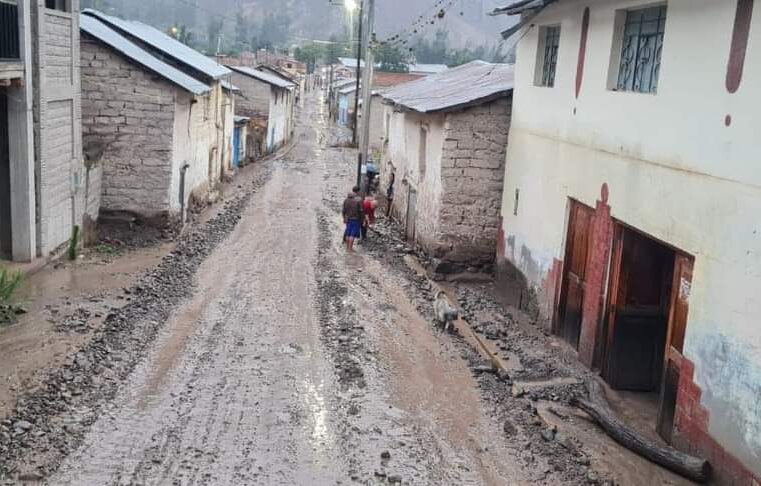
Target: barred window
x: 549, y: 40
x: 641, y: 48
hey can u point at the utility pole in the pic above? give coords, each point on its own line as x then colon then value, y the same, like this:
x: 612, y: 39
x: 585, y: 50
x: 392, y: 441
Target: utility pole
x: 366, y: 89
x: 359, y: 73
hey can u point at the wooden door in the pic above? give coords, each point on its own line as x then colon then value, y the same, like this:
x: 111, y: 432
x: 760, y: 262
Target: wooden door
x: 680, y: 295
x: 638, y: 311
x: 411, y: 215
x: 572, y: 289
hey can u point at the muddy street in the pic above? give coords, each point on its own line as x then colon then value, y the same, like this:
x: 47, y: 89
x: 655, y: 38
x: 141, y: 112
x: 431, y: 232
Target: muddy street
x: 290, y: 362
x: 259, y: 352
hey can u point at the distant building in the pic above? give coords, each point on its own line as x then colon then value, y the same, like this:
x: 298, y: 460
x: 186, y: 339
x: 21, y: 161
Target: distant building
x: 447, y: 135
x: 426, y: 69
x: 266, y: 96
x: 632, y: 203
x: 346, y: 100
x: 44, y: 181
x: 162, y: 131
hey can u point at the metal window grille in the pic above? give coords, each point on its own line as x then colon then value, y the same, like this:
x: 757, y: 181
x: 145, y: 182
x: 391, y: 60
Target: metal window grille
x: 9, y: 32
x: 641, y: 50
x: 551, y: 43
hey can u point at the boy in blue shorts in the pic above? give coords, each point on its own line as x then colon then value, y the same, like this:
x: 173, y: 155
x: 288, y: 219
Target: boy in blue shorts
x: 353, y: 214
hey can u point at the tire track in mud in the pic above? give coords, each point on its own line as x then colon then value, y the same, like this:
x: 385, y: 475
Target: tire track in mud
x: 51, y: 421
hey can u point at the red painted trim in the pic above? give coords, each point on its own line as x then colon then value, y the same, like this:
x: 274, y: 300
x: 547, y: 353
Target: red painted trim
x: 582, y: 51
x: 691, y: 433
x: 739, y: 46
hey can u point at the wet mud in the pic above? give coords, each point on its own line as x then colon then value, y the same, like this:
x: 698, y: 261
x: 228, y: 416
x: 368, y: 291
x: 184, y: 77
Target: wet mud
x: 259, y: 352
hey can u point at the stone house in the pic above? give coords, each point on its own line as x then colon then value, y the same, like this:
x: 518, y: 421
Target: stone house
x: 212, y: 139
x: 630, y: 212
x: 143, y: 121
x: 265, y: 95
x: 45, y: 190
x: 447, y: 135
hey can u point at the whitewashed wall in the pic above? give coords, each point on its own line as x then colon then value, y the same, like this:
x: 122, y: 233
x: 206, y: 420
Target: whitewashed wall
x: 674, y: 171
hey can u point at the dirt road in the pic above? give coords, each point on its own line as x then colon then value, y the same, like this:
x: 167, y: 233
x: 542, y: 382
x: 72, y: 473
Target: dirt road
x: 294, y: 363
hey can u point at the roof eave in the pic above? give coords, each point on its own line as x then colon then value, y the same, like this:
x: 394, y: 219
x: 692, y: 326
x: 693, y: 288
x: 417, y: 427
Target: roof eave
x: 452, y: 108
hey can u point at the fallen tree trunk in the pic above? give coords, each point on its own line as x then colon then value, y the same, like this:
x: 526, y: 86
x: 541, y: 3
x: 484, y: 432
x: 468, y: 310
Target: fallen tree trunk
x: 597, y: 407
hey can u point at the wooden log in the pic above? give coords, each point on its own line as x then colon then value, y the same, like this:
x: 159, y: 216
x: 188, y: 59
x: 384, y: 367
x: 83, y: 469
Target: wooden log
x: 597, y: 407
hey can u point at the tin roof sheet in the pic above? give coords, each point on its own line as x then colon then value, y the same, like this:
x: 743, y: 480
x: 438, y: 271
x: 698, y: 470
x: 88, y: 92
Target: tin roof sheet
x: 110, y: 37
x: 455, y: 88
x: 229, y: 86
x: 428, y: 68
x: 164, y: 43
x: 516, y: 8
x: 268, y: 78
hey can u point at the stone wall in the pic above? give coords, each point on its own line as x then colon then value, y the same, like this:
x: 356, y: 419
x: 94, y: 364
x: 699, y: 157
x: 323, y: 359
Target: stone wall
x: 129, y: 113
x: 254, y: 98
x: 472, y: 172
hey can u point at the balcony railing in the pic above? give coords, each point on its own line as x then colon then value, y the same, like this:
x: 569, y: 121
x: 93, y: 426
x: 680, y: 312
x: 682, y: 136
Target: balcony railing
x: 9, y: 33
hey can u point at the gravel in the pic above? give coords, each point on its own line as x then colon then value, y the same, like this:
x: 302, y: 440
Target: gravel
x: 70, y: 397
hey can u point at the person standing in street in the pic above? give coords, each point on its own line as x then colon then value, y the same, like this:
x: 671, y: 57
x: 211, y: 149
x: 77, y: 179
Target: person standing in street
x: 353, y: 215
x: 390, y: 193
x: 368, y: 209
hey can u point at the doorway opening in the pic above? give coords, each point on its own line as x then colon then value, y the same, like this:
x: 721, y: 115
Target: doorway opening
x: 5, y: 180
x: 642, y: 315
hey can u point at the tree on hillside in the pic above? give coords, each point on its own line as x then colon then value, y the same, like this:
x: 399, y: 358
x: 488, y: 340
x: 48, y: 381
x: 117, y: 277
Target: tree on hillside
x: 241, y: 33
x: 213, y: 31
x: 391, y: 59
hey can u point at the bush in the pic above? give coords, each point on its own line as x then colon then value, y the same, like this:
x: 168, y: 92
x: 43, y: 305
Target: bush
x: 9, y: 283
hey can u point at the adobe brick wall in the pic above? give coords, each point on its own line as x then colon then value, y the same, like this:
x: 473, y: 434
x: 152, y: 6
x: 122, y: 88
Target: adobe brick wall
x: 472, y: 172
x: 130, y: 111
x: 254, y: 99
x: 691, y: 433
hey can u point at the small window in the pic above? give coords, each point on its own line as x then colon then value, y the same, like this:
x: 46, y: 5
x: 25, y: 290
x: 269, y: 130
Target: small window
x: 422, y: 149
x: 547, y: 55
x: 61, y: 5
x: 641, y: 46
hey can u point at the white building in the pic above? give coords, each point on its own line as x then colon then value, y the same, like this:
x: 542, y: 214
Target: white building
x: 632, y: 196
x: 446, y: 145
x: 269, y: 97
x: 43, y: 179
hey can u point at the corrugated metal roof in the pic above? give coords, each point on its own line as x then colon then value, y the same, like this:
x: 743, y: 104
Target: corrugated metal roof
x: 521, y: 6
x: 531, y: 8
x: 107, y: 35
x: 458, y: 87
x: 349, y: 89
x: 241, y: 119
x: 341, y: 83
x: 428, y: 68
x: 264, y: 77
x: 229, y: 86
x: 351, y: 62
x: 166, y: 44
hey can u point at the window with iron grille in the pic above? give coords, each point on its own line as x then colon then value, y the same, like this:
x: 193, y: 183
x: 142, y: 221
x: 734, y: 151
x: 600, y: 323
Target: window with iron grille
x: 641, y: 48
x: 9, y: 30
x: 549, y: 40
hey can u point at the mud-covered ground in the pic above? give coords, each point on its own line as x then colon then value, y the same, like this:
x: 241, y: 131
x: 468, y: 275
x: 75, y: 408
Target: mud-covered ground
x: 257, y: 351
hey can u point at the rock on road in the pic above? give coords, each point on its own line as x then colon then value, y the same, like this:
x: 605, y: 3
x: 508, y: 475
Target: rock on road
x: 295, y: 363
